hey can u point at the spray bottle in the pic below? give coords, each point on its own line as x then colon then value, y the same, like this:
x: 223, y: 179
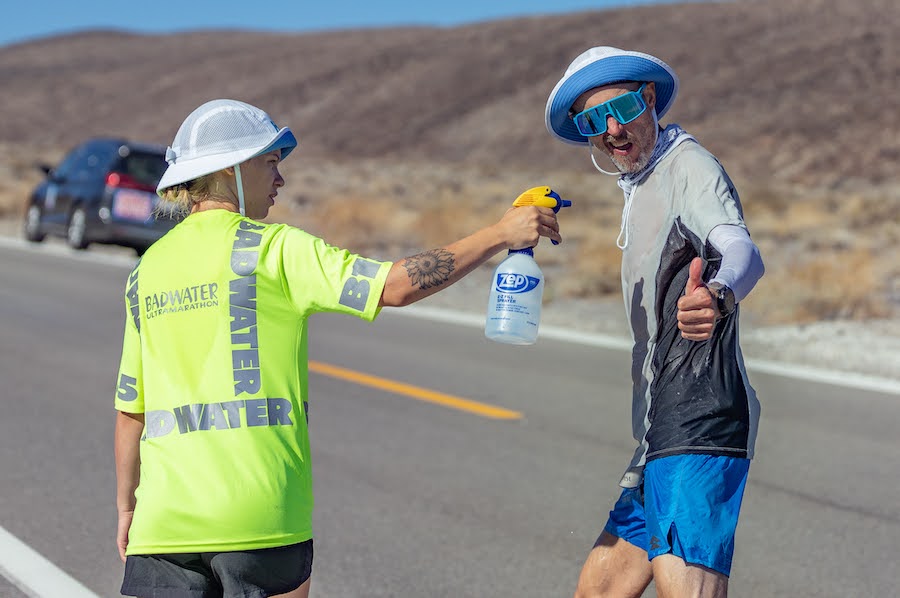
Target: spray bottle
x: 517, y: 287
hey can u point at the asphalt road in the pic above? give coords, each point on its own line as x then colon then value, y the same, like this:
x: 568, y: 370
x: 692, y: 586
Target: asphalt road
x: 417, y: 499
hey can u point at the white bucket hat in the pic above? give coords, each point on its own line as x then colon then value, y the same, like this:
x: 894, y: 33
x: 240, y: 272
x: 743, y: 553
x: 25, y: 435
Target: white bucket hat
x: 600, y: 66
x: 220, y: 134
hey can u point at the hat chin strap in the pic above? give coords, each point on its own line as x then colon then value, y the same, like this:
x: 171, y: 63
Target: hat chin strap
x: 240, y: 188
x: 597, y: 166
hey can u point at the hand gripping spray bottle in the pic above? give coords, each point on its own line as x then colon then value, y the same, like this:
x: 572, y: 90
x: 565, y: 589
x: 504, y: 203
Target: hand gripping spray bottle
x: 517, y: 287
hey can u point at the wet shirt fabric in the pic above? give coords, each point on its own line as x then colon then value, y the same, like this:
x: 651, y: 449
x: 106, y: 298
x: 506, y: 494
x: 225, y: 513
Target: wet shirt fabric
x: 215, y: 357
x: 688, y: 397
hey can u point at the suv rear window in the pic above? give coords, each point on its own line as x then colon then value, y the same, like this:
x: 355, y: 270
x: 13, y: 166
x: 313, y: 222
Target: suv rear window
x: 146, y: 168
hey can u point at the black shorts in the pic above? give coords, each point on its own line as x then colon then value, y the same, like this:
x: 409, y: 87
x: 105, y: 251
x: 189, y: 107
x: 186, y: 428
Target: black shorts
x: 252, y: 573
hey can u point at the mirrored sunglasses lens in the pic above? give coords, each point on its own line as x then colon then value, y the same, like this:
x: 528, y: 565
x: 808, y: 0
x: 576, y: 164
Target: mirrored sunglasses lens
x: 588, y: 123
x: 627, y: 107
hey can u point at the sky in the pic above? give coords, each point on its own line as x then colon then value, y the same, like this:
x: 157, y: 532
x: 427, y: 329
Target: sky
x: 36, y: 18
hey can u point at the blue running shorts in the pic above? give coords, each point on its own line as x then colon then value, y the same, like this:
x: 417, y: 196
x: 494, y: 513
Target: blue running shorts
x: 687, y: 505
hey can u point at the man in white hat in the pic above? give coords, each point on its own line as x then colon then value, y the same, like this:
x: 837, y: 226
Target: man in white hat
x: 214, y: 488
x: 687, y: 261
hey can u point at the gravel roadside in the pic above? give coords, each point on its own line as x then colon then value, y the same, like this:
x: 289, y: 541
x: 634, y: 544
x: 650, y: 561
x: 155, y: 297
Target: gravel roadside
x: 859, y: 349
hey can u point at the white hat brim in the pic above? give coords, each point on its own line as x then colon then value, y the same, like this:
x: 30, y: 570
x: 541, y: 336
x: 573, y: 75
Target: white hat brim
x: 612, y: 68
x: 184, y: 170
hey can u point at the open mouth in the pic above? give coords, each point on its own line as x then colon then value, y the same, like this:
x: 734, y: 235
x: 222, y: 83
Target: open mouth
x: 620, y: 148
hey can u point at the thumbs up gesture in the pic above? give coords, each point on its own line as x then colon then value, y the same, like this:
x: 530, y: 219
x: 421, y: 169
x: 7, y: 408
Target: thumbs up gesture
x: 697, y: 309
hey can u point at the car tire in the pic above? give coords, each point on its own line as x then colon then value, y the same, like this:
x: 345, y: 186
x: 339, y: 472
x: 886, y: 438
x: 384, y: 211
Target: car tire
x: 33, y: 230
x: 76, y: 236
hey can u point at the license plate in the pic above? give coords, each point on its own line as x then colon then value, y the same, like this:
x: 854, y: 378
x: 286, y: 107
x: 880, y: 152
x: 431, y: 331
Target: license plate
x: 129, y: 204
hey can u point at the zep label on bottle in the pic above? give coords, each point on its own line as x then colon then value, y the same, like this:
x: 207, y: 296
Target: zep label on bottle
x: 514, y: 306
x: 511, y: 282
x: 512, y: 297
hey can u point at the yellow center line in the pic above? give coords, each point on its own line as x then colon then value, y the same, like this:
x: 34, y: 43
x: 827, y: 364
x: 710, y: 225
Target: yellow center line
x: 416, y: 392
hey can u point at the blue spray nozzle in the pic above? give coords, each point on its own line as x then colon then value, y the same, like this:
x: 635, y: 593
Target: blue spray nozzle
x: 560, y: 203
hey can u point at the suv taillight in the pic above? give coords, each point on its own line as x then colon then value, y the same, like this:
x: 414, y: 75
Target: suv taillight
x: 124, y: 181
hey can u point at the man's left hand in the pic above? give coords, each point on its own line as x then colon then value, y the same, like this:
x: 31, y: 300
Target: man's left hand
x: 697, y: 309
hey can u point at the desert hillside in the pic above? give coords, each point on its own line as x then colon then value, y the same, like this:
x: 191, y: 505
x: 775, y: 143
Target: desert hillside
x: 796, y: 90
x: 411, y: 135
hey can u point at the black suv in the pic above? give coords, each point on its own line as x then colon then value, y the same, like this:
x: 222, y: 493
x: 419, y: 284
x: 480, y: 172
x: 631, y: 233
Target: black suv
x: 103, y: 191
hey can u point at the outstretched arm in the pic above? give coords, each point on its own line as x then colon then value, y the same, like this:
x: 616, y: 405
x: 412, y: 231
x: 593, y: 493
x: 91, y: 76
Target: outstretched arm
x: 418, y: 276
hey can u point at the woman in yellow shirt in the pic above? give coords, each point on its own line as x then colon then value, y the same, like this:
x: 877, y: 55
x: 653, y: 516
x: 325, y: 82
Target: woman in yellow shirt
x: 214, y: 490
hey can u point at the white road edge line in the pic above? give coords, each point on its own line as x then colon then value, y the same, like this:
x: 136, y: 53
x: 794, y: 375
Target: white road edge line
x: 67, y: 252
x: 35, y: 575
x: 799, y: 372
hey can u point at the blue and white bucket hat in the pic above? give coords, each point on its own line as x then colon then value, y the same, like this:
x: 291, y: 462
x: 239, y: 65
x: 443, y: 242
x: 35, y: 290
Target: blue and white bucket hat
x: 219, y: 134
x: 601, y: 66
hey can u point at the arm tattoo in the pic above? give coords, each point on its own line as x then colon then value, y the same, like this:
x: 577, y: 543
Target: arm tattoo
x: 430, y: 268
